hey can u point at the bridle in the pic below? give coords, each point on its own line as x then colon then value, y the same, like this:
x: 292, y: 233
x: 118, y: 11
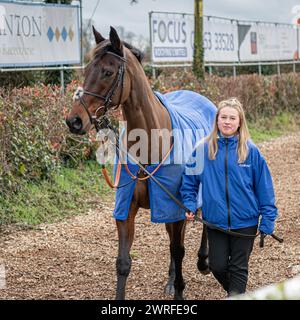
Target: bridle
x: 103, y: 121
x: 118, y: 81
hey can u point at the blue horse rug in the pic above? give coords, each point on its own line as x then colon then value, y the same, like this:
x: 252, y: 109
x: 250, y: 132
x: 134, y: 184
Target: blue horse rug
x: 192, y: 117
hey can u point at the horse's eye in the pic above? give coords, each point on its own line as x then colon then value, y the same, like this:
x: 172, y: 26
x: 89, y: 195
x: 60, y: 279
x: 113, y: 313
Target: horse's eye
x: 107, y: 73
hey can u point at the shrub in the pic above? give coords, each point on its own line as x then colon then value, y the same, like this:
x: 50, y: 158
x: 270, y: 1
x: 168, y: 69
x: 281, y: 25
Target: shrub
x: 34, y: 138
x: 261, y: 96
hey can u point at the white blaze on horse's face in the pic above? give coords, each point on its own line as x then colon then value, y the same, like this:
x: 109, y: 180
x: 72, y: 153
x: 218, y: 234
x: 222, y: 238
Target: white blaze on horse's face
x: 78, y: 94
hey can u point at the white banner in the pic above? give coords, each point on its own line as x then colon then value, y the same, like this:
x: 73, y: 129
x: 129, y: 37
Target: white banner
x: 38, y: 34
x: 172, y: 37
x: 262, y: 42
x: 220, y: 40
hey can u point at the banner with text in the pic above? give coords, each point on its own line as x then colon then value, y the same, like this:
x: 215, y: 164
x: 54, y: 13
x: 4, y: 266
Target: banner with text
x: 224, y: 40
x: 267, y: 42
x: 172, y: 37
x: 220, y: 40
x: 38, y: 34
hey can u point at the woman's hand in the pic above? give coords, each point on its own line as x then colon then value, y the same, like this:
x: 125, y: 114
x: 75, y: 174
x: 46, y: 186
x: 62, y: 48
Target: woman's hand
x: 190, y: 216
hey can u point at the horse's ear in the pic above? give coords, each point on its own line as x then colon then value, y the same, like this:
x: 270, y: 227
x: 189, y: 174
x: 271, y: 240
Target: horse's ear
x: 98, y: 36
x: 115, y: 41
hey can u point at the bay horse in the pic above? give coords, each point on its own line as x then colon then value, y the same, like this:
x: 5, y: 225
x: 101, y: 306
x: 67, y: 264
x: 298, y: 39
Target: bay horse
x: 114, y: 77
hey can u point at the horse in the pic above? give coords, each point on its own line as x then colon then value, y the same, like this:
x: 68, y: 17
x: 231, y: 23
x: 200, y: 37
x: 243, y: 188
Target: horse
x: 115, y: 77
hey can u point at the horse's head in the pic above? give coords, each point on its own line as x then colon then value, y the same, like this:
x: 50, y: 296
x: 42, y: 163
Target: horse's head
x: 105, y: 85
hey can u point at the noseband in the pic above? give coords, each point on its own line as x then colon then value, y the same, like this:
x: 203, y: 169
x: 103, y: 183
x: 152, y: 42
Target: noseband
x: 118, y: 81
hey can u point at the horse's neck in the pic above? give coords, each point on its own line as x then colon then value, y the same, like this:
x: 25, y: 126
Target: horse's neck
x: 142, y: 110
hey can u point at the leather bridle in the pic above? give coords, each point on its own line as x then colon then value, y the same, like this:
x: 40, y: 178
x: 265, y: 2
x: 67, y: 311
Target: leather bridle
x: 118, y: 82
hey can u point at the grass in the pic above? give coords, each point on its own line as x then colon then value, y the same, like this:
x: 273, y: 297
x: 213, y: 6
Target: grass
x: 76, y: 190
x: 266, y: 128
x: 259, y: 135
x: 71, y: 191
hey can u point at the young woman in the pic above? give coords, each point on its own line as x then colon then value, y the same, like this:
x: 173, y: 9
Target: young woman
x: 237, y: 195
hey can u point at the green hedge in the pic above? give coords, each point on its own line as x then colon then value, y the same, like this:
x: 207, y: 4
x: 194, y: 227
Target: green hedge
x: 261, y: 96
x: 35, y: 140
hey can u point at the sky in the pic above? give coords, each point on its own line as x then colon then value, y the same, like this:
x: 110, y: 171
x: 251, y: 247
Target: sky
x: 134, y: 18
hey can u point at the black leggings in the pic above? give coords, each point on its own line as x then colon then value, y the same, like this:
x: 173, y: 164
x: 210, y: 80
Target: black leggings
x: 228, y: 258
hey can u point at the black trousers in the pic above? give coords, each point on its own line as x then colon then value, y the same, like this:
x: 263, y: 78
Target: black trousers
x: 229, y: 257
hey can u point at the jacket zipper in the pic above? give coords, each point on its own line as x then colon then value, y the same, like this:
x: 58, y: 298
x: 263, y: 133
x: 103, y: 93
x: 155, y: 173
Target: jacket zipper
x: 226, y: 184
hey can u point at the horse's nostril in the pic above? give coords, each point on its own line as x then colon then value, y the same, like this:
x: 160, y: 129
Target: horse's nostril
x: 74, y: 123
x: 77, y: 123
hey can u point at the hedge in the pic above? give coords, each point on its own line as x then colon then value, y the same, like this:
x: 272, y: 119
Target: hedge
x: 35, y: 141
x: 260, y: 96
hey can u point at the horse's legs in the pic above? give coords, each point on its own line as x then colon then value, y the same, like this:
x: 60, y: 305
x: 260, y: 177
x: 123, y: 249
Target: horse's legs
x: 169, y: 288
x: 202, y: 263
x: 123, y: 263
x: 176, y: 233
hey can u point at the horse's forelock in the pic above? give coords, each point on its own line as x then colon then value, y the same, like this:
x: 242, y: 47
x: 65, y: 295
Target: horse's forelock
x: 101, y: 50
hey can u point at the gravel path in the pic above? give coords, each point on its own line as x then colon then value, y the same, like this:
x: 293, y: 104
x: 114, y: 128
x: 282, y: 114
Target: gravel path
x: 75, y: 259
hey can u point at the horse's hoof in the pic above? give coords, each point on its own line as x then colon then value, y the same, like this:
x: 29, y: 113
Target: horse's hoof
x: 178, y: 297
x: 170, y: 290
x: 203, y: 266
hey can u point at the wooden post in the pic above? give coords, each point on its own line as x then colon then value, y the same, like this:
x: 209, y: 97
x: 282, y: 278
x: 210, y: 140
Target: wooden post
x: 62, y: 76
x: 198, y: 62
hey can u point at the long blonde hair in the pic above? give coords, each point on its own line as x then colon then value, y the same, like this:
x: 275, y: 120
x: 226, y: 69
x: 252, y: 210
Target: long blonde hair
x: 243, y: 132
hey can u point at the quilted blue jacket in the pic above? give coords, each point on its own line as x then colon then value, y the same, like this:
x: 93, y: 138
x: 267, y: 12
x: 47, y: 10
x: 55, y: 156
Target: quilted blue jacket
x: 233, y: 195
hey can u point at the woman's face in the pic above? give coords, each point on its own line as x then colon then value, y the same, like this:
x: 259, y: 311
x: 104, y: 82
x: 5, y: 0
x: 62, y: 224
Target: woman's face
x: 228, y: 121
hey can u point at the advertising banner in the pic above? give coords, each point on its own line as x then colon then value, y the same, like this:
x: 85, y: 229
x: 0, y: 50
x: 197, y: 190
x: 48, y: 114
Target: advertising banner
x: 220, y: 40
x: 224, y: 40
x: 172, y: 37
x: 38, y: 35
x: 267, y: 42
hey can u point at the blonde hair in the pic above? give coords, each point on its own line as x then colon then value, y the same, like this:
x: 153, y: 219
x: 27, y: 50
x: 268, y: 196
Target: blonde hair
x: 243, y: 132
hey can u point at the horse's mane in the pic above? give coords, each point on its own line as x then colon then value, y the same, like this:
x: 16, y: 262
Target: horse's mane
x: 100, y: 51
x: 136, y: 52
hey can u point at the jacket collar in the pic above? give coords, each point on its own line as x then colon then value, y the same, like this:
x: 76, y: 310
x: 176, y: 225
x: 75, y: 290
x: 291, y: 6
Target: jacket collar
x: 230, y: 140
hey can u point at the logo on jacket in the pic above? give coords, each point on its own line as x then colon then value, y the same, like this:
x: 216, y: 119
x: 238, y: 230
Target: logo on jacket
x: 243, y: 165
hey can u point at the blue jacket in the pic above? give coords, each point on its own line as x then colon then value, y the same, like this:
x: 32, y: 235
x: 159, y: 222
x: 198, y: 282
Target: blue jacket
x: 233, y: 195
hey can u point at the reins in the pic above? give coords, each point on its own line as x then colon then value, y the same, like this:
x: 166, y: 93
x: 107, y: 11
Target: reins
x: 153, y: 172
x: 103, y: 122
x: 181, y: 205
